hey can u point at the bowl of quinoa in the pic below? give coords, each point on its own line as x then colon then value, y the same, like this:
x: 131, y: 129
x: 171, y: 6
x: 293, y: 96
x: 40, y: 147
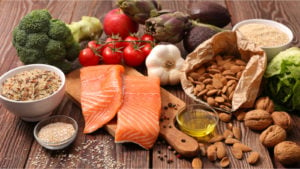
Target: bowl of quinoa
x: 273, y: 37
x: 33, y: 91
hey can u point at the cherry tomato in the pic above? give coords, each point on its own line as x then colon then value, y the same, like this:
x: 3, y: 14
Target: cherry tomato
x: 130, y: 38
x: 95, y: 46
x: 113, y: 42
x: 117, y: 23
x: 147, y: 37
x: 133, y: 56
x: 88, y: 58
x: 147, y: 49
x: 111, y: 56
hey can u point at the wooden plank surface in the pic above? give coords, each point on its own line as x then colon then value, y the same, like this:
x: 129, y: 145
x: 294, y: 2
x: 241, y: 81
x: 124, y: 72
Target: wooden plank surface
x: 18, y: 149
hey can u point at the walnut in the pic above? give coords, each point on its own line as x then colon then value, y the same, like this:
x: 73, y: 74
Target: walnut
x: 282, y: 119
x: 258, y: 119
x: 265, y: 103
x: 272, y: 136
x: 287, y: 152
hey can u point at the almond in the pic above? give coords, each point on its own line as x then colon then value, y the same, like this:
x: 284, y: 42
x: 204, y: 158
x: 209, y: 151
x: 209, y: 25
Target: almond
x: 242, y: 147
x: 225, y: 162
x: 202, y: 148
x: 236, y: 132
x: 219, y: 99
x: 237, y: 153
x: 227, y: 133
x: 204, y: 91
x: 207, y: 81
x: 216, y: 138
x: 240, y: 62
x: 229, y: 126
x: 212, y: 152
x: 197, y: 163
x: 231, y: 140
x: 253, y: 158
x: 210, y: 101
x: 225, y: 117
x: 221, y: 150
x: 228, y: 72
x: 217, y: 83
x: 211, y: 92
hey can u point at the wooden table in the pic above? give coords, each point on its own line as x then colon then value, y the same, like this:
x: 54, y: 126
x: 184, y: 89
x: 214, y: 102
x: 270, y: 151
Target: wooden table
x: 18, y: 148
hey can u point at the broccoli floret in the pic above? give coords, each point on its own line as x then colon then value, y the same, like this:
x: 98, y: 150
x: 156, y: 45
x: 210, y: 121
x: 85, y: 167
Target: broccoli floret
x: 72, y: 51
x: 19, y: 37
x: 59, y: 30
x: 28, y: 56
x: 37, y: 40
x: 55, y: 50
x: 41, y: 39
x: 36, y: 21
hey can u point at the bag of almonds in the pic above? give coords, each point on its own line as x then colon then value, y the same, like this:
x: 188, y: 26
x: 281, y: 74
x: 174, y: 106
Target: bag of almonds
x: 225, y: 72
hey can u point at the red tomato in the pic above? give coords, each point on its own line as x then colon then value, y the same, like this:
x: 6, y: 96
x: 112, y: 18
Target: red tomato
x: 147, y: 37
x: 95, y: 46
x: 110, y: 56
x: 130, y: 38
x: 117, y: 23
x: 133, y: 56
x: 147, y: 49
x: 113, y: 43
x: 88, y: 58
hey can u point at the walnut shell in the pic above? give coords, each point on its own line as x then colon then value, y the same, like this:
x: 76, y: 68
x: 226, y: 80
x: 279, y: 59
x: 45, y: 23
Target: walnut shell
x: 272, y: 136
x: 282, y: 119
x: 258, y: 119
x: 265, y: 103
x: 287, y: 152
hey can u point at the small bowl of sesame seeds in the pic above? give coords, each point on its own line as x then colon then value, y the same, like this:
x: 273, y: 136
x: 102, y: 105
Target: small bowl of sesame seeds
x: 56, y: 132
x: 32, y: 92
x: 273, y: 37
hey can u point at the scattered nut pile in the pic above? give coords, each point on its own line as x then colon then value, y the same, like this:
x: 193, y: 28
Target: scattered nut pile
x: 216, y: 80
x: 274, y: 126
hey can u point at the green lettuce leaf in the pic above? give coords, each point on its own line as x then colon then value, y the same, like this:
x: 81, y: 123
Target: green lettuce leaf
x: 283, y: 79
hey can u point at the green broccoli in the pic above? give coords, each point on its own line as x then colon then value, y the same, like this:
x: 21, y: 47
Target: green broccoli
x: 41, y: 39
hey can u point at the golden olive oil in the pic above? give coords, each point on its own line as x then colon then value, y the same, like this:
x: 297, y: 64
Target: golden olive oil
x: 197, y: 123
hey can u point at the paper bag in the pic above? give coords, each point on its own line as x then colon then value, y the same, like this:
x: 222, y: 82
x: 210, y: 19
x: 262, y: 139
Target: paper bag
x: 234, y: 44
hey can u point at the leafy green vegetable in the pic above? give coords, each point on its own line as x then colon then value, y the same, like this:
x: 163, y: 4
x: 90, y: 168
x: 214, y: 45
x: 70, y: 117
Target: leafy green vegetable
x: 283, y: 79
x: 39, y: 38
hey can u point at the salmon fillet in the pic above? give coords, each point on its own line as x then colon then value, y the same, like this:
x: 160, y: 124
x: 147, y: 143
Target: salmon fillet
x: 101, y: 94
x: 138, y: 118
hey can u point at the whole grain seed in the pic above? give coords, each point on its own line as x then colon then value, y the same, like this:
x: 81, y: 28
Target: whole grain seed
x: 56, y: 132
x: 33, y: 84
x: 264, y: 35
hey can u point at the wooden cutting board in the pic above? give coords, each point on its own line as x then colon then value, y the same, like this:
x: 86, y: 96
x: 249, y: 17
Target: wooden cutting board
x: 182, y: 143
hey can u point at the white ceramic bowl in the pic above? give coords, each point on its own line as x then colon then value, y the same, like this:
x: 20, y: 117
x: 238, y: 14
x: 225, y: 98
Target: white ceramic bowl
x: 270, y: 51
x: 34, y: 110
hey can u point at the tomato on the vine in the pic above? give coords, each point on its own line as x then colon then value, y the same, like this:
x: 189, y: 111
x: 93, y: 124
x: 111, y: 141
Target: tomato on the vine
x: 88, y: 58
x: 131, y: 40
x: 95, y: 46
x: 147, y: 49
x: 111, y: 55
x: 133, y: 55
x: 114, y: 42
x: 147, y: 37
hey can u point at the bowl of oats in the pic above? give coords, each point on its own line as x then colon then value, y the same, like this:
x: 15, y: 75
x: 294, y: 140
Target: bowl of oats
x: 273, y: 37
x: 33, y: 91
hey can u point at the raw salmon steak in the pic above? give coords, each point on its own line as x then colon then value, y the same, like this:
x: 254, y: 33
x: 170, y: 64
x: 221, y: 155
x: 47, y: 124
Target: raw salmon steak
x: 138, y: 118
x: 101, y: 94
